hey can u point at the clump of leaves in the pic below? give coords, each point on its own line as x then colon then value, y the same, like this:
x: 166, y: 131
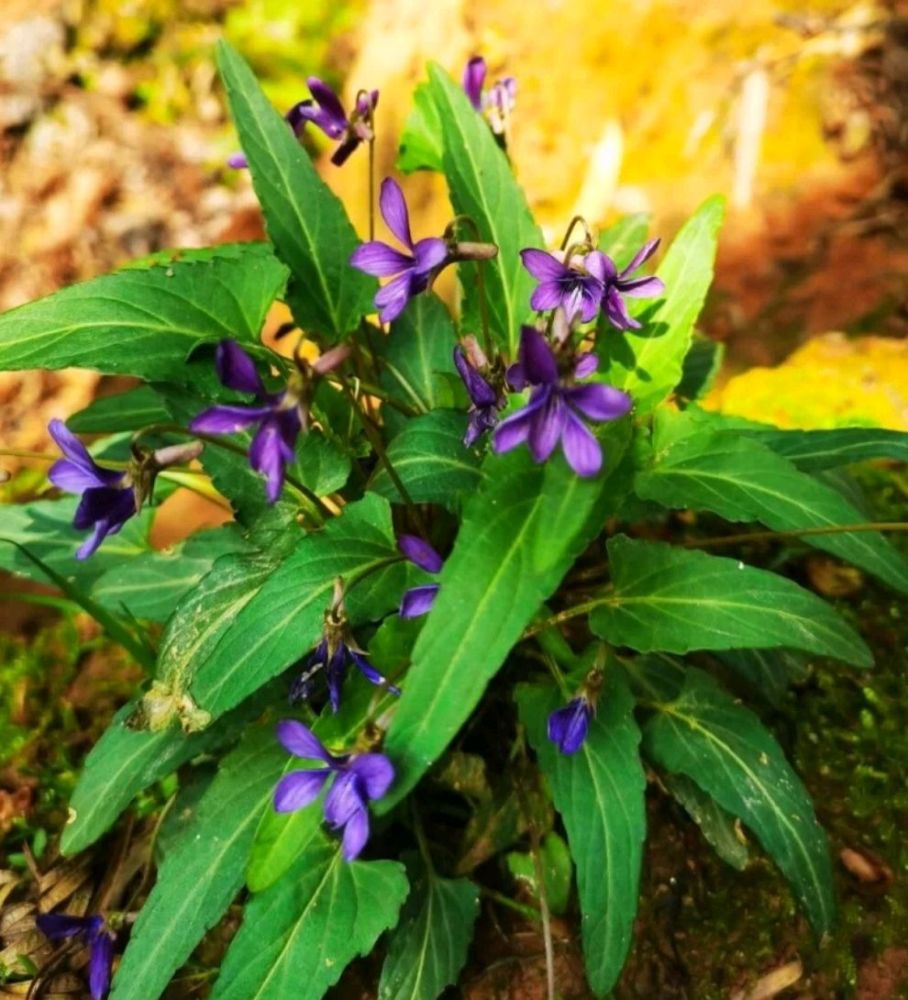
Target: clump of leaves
x: 449, y: 550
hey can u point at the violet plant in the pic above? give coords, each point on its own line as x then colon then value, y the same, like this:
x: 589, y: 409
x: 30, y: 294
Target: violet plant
x: 453, y: 552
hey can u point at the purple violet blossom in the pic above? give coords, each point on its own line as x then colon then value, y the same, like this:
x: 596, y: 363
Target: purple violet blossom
x: 109, y: 497
x: 576, y: 286
x: 619, y: 283
x: 485, y: 402
x: 557, y: 407
x: 358, y: 779
x: 59, y: 926
x: 411, y: 273
x: 326, y: 112
x: 418, y: 601
x: 497, y: 102
x: 569, y: 725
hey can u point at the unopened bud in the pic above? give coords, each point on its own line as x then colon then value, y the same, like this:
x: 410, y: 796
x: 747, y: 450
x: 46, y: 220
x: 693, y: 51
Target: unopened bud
x: 177, y: 454
x: 473, y: 251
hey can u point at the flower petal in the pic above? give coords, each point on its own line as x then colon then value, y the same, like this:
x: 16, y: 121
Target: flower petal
x: 379, y: 259
x: 548, y: 295
x: 91, y: 544
x: 393, y: 298
x: 600, y: 266
x: 474, y: 76
x: 586, y: 365
x: 343, y: 152
x: 543, y: 265
x: 237, y: 161
x: 268, y: 456
x: 345, y: 797
x: 99, y: 963
x: 394, y: 211
x: 429, y: 253
x: 223, y: 419
x: 642, y: 288
x: 299, y: 740
x: 536, y: 356
x: 58, y: 926
x: 479, y: 391
x: 617, y: 312
x: 513, y: 431
x: 568, y: 726
x: 642, y: 255
x: 298, y: 788
x: 77, y: 470
x: 420, y: 553
x: 370, y: 673
x: 375, y: 772
x: 236, y: 369
x: 418, y: 601
x: 599, y: 402
x: 546, y: 426
x: 104, y: 503
x: 356, y: 835
x: 334, y: 117
x: 580, y: 448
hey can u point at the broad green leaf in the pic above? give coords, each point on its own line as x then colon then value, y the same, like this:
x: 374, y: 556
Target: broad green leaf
x: 306, y: 222
x: 145, y: 321
x: 557, y: 872
x: 302, y: 932
x: 726, y: 750
x: 482, y: 185
x: 743, y: 480
x: 421, y: 140
x: 701, y: 366
x: 716, y: 825
x: 675, y: 600
x: 127, y: 411
x: 430, y: 458
x: 599, y: 792
x: 283, y: 620
x: 201, y: 876
x: 648, y: 363
x: 520, y: 534
x: 622, y: 239
x: 428, y: 948
x: 769, y: 672
x: 814, y: 451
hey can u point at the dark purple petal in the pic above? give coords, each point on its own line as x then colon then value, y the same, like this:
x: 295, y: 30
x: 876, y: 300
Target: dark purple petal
x: 91, y: 544
x: 345, y: 797
x: 568, y: 726
x: 420, y: 553
x: 393, y: 298
x: 543, y: 266
x: 586, y: 365
x: 99, y: 964
x: 77, y: 470
x: 299, y: 740
x: 298, y: 788
x: 237, y: 161
x: 370, y: 673
x: 375, y: 773
x: 224, y: 419
x: 236, y: 369
x: 334, y: 120
x: 642, y: 288
x: 617, y: 312
x: 100, y: 503
x: 536, y: 357
x: 428, y: 254
x: 308, y: 111
x: 479, y: 391
x: 58, y: 926
x: 642, y: 255
x: 546, y: 426
x: 548, y: 295
x: 599, y: 402
x: 418, y: 601
x: 580, y: 448
x: 337, y: 671
x: 394, y: 211
x: 356, y: 834
x: 343, y: 152
x: 379, y: 259
x: 474, y: 76
x: 366, y: 102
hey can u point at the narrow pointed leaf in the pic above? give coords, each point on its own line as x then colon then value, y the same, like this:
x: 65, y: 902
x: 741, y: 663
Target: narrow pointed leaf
x: 421, y: 141
x: 814, y: 451
x: 127, y: 411
x: 716, y: 825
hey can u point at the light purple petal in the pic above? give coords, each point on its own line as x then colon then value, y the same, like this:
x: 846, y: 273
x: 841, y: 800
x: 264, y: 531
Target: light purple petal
x: 366, y: 102
x: 537, y: 358
x: 580, y: 448
x: 379, y: 259
x: 474, y: 76
x: 429, y: 253
x: 375, y: 772
x: 299, y: 740
x: 642, y: 288
x: 590, y: 299
x: 586, y: 365
x: 599, y: 402
x: 642, y: 255
x: 237, y: 161
x: 393, y: 298
x: 90, y: 545
x: 548, y: 295
x: 74, y: 477
x: 268, y: 456
x: 394, y: 211
x: 515, y: 430
x: 236, y: 369
x: 418, y: 601
x: 356, y: 834
x: 599, y: 266
x: 420, y: 553
x: 77, y: 470
x: 479, y: 391
x: 546, y: 427
x: 224, y: 419
x: 516, y: 377
x: 298, y: 788
x: 99, y: 963
x: 345, y: 797
x: 617, y: 312
x: 543, y: 266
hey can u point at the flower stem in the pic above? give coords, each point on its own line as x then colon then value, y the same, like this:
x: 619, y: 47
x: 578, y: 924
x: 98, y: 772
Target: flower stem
x: 40, y: 456
x: 480, y: 283
x: 577, y: 220
x: 372, y: 189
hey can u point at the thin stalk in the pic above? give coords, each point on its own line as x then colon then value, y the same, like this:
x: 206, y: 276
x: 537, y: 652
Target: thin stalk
x: 40, y: 456
x: 570, y: 229
x: 759, y: 536
x: 544, y: 913
x: 421, y: 839
x: 563, y: 616
x: 480, y: 284
x: 499, y: 897
x: 372, y: 189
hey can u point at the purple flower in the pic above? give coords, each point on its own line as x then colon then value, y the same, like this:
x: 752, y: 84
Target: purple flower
x: 411, y: 272
x: 334, y: 656
x: 108, y: 496
x: 497, y: 102
x: 557, y: 407
x: 418, y: 601
x: 569, y: 725
x: 577, y: 286
x: 484, y: 400
x: 327, y: 113
x: 59, y: 926
x: 620, y: 283
x: 357, y: 779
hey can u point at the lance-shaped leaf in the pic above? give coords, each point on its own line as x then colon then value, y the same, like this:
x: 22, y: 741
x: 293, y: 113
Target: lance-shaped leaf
x: 482, y: 185
x: 599, y: 792
x: 648, y: 363
x: 430, y: 458
x: 127, y: 411
x: 203, y: 873
x: 520, y: 534
x: 768, y: 672
x: 428, y: 948
x: 421, y: 141
x: 814, y: 451
x: 674, y: 600
x: 717, y: 826
x: 305, y: 929
x: 146, y: 320
x: 306, y: 222
x: 725, y: 749
x: 743, y: 480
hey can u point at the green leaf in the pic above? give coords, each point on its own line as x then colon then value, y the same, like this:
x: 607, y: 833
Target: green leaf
x: 306, y: 222
x: 201, y: 876
x: 742, y: 480
x: 769, y: 672
x: 127, y: 411
x: 702, y: 364
x: 482, y: 186
x: 622, y: 239
x: 520, y: 534
x: 675, y: 600
x: 421, y: 140
x: 648, y: 363
x: 428, y: 948
x: 814, y: 451
x: 716, y: 825
x: 599, y: 792
x: 145, y: 321
x: 305, y: 929
x: 726, y: 750
x: 430, y: 458
x: 557, y: 872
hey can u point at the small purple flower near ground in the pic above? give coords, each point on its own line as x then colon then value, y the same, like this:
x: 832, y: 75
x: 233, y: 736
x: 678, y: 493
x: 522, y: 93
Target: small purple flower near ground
x: 484, y: 400
x: 418, y: 601
x: 558, y: 407
x: 357, y: 780
x: 568, y: 726
x: 576, y: 286
x: 108, y: 495
x: 497, y: 102
x: 410, y: 272
x: 59, y: 926
x: 619, y: 283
